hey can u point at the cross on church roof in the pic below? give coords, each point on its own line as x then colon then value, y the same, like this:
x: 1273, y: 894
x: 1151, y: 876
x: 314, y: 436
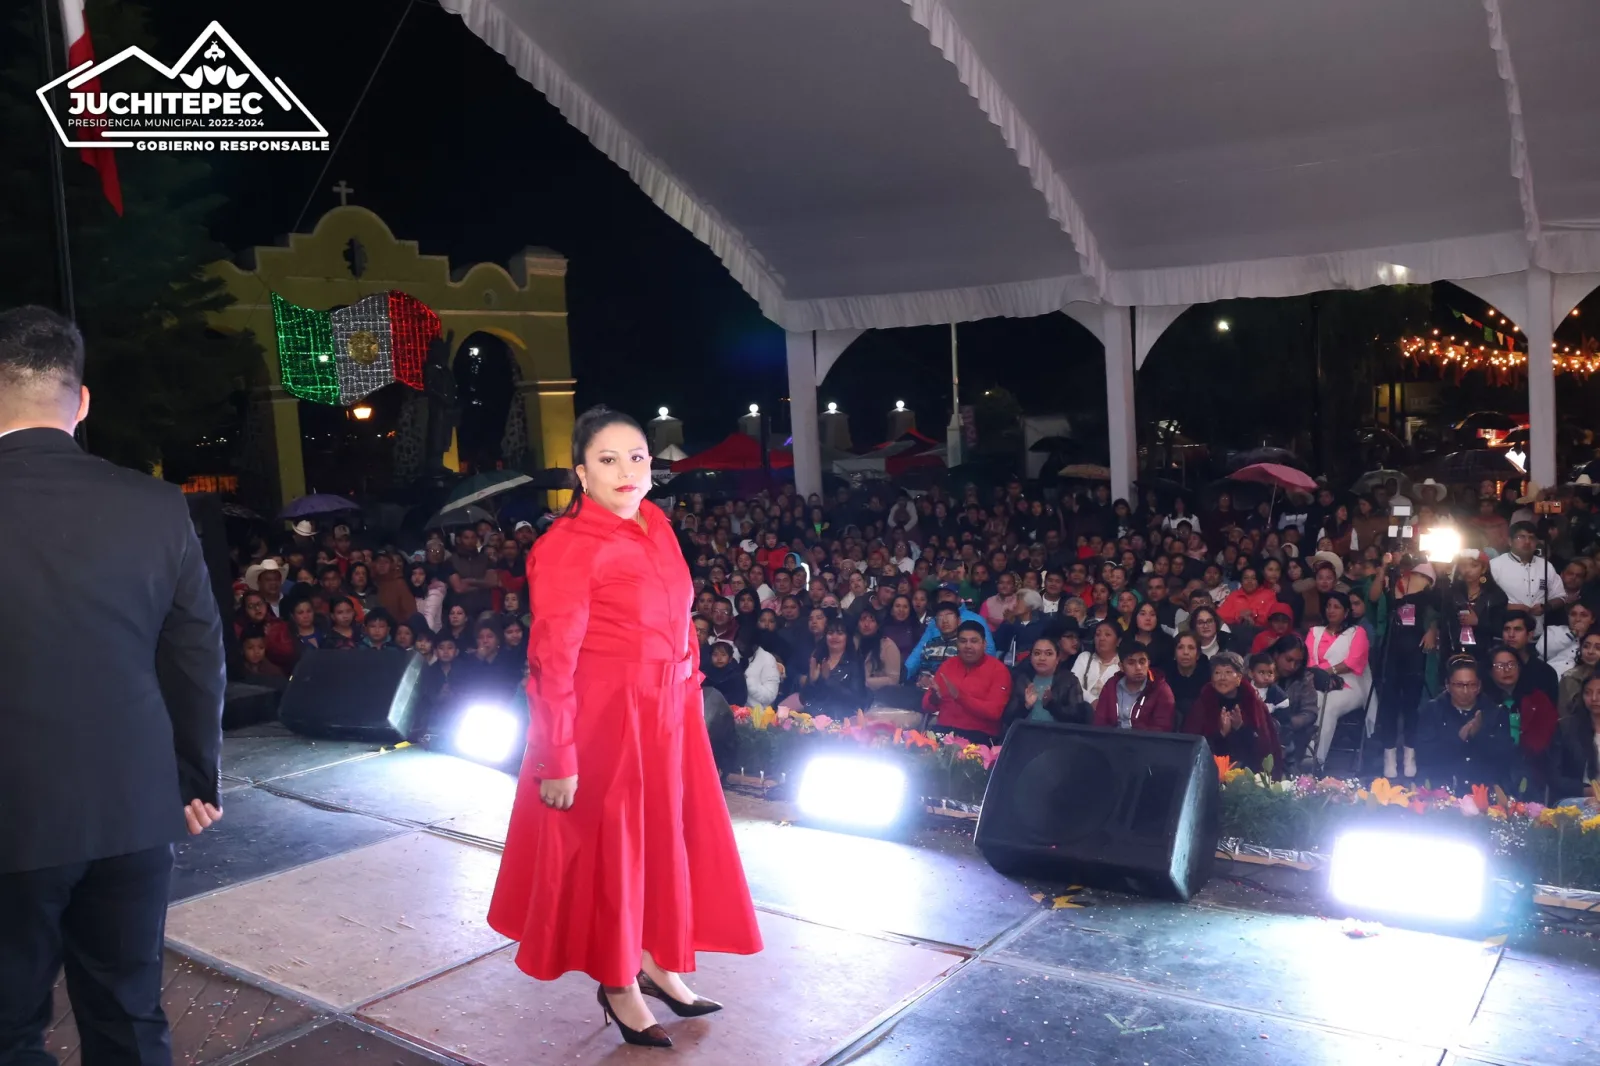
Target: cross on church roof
x: 344, y: 191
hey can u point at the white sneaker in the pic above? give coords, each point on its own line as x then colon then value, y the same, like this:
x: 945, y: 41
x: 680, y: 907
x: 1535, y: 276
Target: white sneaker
x: 1389, y: 769
x: 1411, y: 762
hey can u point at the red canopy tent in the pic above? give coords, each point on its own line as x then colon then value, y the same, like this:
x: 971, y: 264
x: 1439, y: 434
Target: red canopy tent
x: 739, y: 451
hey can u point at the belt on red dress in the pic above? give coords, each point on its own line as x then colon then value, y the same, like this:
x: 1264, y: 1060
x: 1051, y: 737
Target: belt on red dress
x: 649, y: 672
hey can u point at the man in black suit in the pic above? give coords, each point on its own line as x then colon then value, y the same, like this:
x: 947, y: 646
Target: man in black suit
x: 110, y: 712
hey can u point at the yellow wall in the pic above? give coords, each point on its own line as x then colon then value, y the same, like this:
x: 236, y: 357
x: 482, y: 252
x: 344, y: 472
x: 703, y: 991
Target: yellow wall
x: 524, y: 303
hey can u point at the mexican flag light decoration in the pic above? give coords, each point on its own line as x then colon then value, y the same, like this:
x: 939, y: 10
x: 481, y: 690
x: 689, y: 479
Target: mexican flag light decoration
x: 346, y: 355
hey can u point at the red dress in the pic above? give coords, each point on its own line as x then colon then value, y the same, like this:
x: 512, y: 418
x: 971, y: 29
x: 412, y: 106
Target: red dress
x: 645, y: 858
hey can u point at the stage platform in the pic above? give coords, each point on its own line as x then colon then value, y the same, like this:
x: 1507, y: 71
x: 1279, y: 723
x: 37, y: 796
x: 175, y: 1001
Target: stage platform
x: 336, y: 915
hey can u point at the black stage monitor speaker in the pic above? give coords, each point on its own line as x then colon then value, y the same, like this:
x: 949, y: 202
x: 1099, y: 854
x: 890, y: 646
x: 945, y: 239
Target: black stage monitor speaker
x: 358, y: 695
x: 1115, y: 808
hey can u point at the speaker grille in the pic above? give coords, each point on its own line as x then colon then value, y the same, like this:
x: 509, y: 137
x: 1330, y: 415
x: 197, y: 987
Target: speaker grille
x: 1099, y: 806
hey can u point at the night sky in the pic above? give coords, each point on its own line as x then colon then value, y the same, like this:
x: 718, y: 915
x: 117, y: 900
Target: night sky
x: 457, y: 152
x: 454, y: 150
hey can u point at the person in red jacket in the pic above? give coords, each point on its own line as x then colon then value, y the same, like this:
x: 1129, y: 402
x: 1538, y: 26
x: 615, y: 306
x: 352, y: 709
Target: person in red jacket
x: 254, y: 614
x: 968, y: 695
x: 1232, y: 718
x: 1136, y: 697
x: 1251, y: 603
x: 771, y: 555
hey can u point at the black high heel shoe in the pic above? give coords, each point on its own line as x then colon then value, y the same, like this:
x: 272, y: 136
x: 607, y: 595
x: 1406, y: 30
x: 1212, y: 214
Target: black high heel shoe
x: 655, y: 1036
x: 700, y: 1005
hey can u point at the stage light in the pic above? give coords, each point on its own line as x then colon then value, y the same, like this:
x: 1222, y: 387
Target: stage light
x: 899, y: 405
x: 1223, y: 325
x: 755, y: 408
x: 473, y: 351
x: 661, y: 412
x: 1408, y: 873
x: 1441, y: 544
x: 361, y: 414
x: 1519, y: 459
x: 488, y: 733
x: 852, y: 791
x: 833, y: 408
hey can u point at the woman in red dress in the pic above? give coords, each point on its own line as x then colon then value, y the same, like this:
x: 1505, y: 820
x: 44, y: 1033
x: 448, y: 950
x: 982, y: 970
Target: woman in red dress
x: 630, y: 875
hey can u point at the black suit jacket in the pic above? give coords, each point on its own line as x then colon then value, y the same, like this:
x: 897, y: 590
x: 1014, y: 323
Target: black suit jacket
x: 111, y: 660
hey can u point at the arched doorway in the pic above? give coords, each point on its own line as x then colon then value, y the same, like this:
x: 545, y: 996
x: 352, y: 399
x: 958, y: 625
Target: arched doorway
x: 484, y: 388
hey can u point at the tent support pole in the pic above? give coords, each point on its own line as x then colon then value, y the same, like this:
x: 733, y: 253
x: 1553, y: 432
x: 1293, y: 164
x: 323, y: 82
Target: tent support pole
x: 1121, y: 417
x: 801, y: 349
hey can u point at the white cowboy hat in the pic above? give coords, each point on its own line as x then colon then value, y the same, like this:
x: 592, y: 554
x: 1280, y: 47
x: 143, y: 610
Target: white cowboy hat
x: 252, y: 573
x: 1333, y: 560
x: 305, y: 528
x: 1441, y: 492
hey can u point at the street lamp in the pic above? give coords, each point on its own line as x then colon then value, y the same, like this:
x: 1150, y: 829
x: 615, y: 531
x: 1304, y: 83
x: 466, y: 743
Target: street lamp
x: 1223, y: 325
x: 833, y: 408
x: 755, y: 408
x: 899, y: 405
x: 661, y: 412
x: 362, y: 413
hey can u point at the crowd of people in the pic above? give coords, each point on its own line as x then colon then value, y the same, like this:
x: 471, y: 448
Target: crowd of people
x: 1260, y: 629
x: 457, y: 603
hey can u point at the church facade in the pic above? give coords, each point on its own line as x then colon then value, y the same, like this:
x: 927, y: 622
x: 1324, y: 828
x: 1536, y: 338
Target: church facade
x: 351, y: 253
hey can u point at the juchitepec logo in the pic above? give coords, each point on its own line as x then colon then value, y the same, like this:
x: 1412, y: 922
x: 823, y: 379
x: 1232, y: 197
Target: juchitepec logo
x: 214, y: 98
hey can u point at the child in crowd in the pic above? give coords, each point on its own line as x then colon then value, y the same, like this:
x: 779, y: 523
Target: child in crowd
x: 258, y: 669
x: 1264, y: 676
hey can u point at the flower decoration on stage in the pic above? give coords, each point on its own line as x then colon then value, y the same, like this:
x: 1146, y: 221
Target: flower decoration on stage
x: 346, y: 355
x: 1561, y: 845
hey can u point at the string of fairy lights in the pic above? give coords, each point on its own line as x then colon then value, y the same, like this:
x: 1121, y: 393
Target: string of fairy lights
x: 1491, y: 347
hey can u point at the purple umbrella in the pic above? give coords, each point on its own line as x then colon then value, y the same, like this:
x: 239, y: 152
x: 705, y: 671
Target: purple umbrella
x: 306, y: 506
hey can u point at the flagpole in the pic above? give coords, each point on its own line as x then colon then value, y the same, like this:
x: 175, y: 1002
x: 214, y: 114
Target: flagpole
x: 58, y: 182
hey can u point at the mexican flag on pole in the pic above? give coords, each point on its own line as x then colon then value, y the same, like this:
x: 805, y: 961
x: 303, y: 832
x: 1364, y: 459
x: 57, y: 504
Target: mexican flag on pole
x: 344, y: 356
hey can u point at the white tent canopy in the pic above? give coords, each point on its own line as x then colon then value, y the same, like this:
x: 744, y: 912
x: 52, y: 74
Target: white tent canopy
x: 875, y: 163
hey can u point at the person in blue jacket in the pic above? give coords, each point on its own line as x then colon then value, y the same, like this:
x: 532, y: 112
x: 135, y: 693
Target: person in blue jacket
x: 947, y: 594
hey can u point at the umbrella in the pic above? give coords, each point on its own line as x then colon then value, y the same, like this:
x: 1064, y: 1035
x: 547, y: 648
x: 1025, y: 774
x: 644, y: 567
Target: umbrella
x: 1487, y: 420
x: 1258, y: 456
x: 316, y: 504
x: 233, y: 510
x: 709, y: 482
x: 552, y: 477
x: 1165, y: 486
x: 1475, y: 464
x: 1277, y: 475
x: 1086, y: 472
x: 482, y: 486
x: 456, y: 517
x: 1591, y: 469
x: 1373, y: 478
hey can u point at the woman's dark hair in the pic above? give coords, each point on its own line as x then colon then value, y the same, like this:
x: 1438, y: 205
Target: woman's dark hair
x: 350, y: 577
x: 1286, y: 643
x: 584, y: 429
x: 869, y: 648
x: 1342, y: 599
x: 835, y: 624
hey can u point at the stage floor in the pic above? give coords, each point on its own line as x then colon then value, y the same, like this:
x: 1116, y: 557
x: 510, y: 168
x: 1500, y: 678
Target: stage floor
x: 336, y: 916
